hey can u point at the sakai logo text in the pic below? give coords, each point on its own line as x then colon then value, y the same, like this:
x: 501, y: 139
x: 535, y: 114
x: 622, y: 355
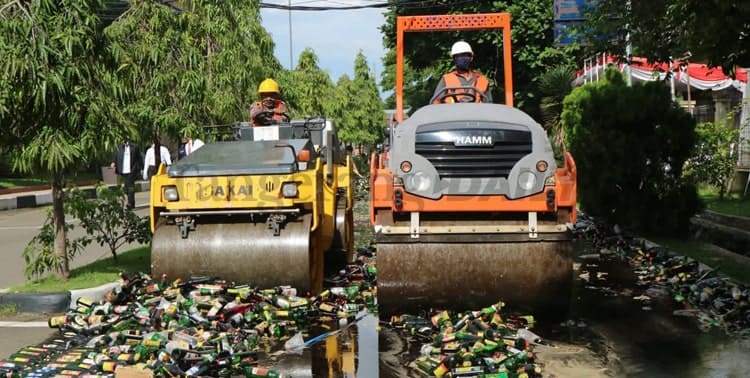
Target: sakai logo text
x: 232, y: 190
x: 473, y: 140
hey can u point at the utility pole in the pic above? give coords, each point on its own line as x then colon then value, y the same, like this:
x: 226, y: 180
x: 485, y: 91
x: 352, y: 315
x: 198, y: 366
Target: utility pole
x: 291, y: 56
x: 671, y: 79
x: 628, y: 50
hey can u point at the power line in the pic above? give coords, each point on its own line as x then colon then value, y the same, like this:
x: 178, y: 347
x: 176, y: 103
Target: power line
x: 384, y: 4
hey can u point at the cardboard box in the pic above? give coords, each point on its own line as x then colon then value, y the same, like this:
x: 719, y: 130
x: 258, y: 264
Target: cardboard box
x: 134, y: 371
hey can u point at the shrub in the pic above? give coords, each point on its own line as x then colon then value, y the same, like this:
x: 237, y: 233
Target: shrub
x: 39, y: 254
x: 715, y: 157
x: 630, y: 146
x: 106, y: 219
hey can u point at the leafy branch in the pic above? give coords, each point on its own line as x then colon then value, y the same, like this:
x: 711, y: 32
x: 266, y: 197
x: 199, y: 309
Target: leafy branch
x: 106, y: 219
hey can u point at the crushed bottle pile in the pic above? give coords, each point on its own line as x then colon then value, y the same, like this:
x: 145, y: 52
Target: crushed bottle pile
x: 716, y: 301
x: 482, y: 343
x: 197, y: 327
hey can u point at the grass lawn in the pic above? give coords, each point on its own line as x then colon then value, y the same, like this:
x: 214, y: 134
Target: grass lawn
x: 7, y: 309
x: 15, y: 182
x: 732, y: 204
x: 95, y: 274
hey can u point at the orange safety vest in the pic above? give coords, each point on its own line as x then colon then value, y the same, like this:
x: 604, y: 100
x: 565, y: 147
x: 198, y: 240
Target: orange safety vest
x: 279, y: 111
x: 480, y: 82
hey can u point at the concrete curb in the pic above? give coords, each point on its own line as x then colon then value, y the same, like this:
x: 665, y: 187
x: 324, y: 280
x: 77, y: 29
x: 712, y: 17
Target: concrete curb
x: 53, y: 303
x: 94, y: 293
x: 42, y: 198
x: 49, y: 303
x: 727, y: 231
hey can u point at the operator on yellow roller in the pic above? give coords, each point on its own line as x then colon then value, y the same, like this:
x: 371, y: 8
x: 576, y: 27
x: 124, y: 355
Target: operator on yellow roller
x: 271, y: 109
x: 462, y: 76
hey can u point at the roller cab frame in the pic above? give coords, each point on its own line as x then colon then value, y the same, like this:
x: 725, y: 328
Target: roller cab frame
x: 270, y: 207
x: 468, y: 203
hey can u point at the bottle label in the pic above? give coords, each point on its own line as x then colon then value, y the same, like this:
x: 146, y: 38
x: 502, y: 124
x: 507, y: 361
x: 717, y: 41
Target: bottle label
x: 325, y: 307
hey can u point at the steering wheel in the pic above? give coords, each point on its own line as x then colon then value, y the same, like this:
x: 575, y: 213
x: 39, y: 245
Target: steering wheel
x: 447, y: 96
x: 265, y: 117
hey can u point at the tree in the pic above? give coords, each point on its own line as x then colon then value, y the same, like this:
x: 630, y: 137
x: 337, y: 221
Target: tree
x: 55, y: 94
x: 427, y: 54
x: 418, y: 85
x: 359, y: 110
x: 238, y: 54
x: 715, y: 158
x: 713, y: 31
x: 197, y: 66
x: 554, y: 85
x: 308, y: 90
x: 630, y: 146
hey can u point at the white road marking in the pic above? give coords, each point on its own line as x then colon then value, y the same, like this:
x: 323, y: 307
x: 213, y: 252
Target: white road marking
x: 21, y: 228
x: 24, y: 325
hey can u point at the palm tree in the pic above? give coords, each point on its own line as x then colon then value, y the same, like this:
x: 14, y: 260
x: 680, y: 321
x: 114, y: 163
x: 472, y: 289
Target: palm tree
x: 554, y: 85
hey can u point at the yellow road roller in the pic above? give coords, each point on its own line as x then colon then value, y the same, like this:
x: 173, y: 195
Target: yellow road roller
x: 270, y: 207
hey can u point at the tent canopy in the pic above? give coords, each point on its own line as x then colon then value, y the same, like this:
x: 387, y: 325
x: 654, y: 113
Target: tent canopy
x: 698, y: 75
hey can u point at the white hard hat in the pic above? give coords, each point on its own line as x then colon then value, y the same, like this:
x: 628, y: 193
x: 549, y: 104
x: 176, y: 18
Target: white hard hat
x: 461, y: 47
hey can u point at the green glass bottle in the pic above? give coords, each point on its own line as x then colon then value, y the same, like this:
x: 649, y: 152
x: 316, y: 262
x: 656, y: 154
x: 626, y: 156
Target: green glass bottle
x: 441, y: 319
x: 432, y: 366
x: 259, y: 372
x: 514, y: 362
x: 494, y: 309
x: 352, y: 291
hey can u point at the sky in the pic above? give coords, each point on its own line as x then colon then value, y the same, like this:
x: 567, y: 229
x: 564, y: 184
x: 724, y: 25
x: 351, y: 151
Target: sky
x: 335, y: 36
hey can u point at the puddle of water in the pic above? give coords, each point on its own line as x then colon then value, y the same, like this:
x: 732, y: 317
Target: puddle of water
x: 634, y: 338
x: 352, y: 352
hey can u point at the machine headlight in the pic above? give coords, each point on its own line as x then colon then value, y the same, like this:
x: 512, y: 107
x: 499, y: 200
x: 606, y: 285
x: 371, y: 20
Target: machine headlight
x: 170, y: 194
x: 526, y: 180
x: 420, y: 181
x: 289, y: 189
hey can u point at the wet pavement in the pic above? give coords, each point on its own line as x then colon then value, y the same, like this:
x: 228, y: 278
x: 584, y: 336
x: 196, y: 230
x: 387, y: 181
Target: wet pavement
x: 608, y: 334
x: 637, y: 337
x: 611, y: 334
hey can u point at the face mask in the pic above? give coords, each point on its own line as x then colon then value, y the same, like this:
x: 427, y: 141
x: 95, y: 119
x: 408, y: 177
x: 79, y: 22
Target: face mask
x: 269, y: 102
x: 462, y: 62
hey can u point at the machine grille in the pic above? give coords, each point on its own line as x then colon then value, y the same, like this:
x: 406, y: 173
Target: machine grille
x: 466, y: 153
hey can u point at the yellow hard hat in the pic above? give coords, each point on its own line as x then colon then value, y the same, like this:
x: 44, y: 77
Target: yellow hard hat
x: 268, y: 86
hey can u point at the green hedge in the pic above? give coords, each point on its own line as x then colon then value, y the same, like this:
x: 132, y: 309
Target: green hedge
x: 630, y: 145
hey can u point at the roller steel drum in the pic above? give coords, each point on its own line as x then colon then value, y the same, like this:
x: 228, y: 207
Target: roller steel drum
x: 239, y: 252
x: 533, y: 276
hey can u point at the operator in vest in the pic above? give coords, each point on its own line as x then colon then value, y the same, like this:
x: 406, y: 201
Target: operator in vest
x: 463, y: 75
x: 271, y: 109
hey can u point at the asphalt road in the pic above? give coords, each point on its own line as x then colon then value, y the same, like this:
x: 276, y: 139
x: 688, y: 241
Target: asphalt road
x: 17, y: 227
x: 20, y: 330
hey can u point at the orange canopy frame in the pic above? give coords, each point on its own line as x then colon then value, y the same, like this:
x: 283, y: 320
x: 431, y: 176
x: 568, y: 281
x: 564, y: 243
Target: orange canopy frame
x: 451, y: 22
